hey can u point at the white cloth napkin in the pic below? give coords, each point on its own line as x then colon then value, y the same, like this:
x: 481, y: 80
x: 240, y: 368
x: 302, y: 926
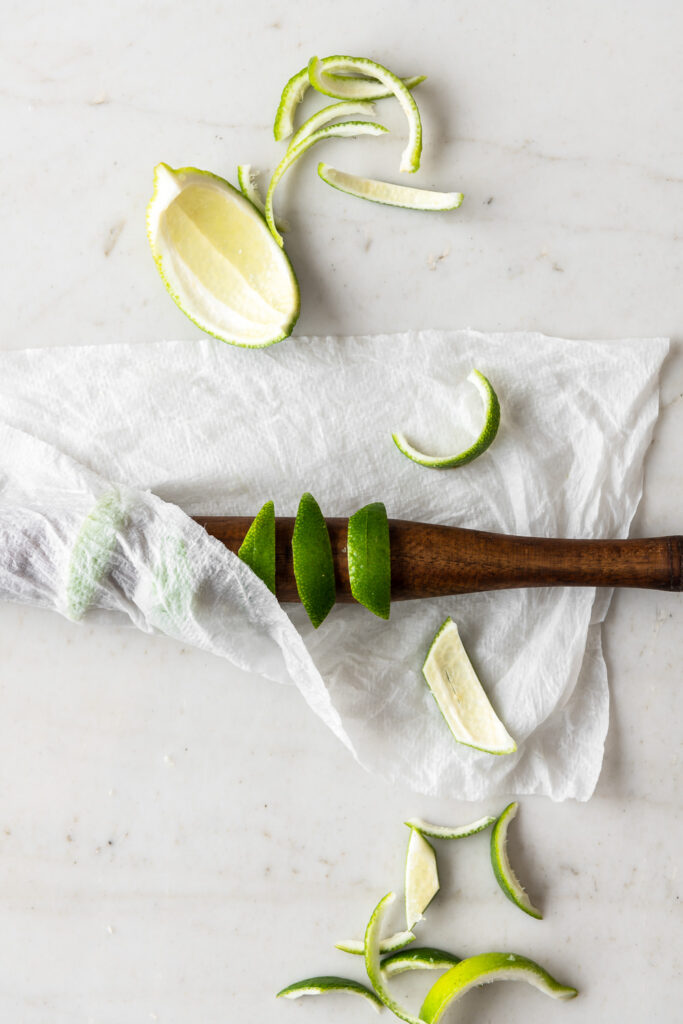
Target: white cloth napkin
x: 87, y: 433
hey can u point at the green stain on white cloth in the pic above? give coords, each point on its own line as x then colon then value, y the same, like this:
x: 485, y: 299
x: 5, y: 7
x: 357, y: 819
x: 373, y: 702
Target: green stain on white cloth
x: 92, y: 553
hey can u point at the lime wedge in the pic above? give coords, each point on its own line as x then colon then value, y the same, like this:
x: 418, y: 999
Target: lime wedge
x: 485, y: 439
x: 390, y: 195
x: 328, y: 983
x: 346, y: 129
x: 460, y: 696
x: 393, y: 942
x: 369, y: 558
x: 479, y: 970
x: 502, y: 869
x: 313, y: 563
x: 217, y: 259
x: 372, y: 959
x: 258, y: 546
x: 449, y: 831
x: 295, y: 90
x: 422, y: 879
x: 340, y: 88
x: 422, y: 958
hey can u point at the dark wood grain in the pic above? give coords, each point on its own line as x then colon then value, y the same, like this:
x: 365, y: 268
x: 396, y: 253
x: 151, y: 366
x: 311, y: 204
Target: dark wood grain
x: 434, y: 561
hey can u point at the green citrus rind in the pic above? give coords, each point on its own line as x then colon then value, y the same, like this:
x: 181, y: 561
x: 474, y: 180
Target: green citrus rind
x: 332, y: 112
x: 478, y: 446
x: 482, y: 969
x: 450, y: 831
x: 325, y: 983
x: 245, y: 327
x: 388, y: 194
x: 297, y: 86
x: 421, y: 877
x: 460, y: 696
x: 420, y: 958
x: 346, y: 129
x: 502, y: 869
x: 313, y: 562
x: 369, y: 558
x: 258, y: 547
x: 392, y: 943
x: 372, y: 960
x: 319, y: 76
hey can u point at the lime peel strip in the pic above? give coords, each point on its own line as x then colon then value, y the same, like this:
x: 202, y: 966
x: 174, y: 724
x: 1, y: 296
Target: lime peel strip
x: 502, y: 868
x: 485, y: 968
x: 391, y: 944
x: 346, y: 129
x: 422, y: 958
x: 247, y: 181
x: 372, y: 959
x: 477, y: 448
x: 422, y: 878
x: 328, y: 983
x: 388, y: 194
x: 330, y: 113
x: 450, y: 832
x: 320, y: 79
x: 357, y: 89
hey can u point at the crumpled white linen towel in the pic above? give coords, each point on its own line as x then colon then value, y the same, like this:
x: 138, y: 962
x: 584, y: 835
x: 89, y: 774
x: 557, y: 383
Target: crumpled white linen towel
x: 101, y: 448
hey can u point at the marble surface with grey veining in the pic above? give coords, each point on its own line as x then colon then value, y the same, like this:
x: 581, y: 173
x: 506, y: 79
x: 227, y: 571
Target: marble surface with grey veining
x: 167, y: 851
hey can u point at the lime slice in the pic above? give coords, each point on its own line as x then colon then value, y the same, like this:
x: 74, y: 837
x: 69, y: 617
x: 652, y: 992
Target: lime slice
x: 502, y: 869
x: 258, y: 546
x: 372, y: 959
x: 328, y: 983
x: 330, y: 113
x: 479, y: 970
x: 313, y: 563
x: 488, y: 432
x: 370, y: 559
x: 217, y: 259
x: 422, y: 958
x: 295, y: 90
x: 393, y: 942
x: 422, y: 878
x: 449, y: 831
x: 460, y: 696
x: 346, y: 130
x: 390, y: 195
x: 339, y: 88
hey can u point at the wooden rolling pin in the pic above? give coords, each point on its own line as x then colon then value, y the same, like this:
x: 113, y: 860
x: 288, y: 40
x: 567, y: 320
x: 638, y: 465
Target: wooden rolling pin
x: 435, y: 561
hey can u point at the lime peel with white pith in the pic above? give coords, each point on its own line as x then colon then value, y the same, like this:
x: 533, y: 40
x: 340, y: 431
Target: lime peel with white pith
x: 248, y: 183
x: 422, y: 958
x: 320, y: 79
x: 502, y: 868
x: 392, y: 943
x: 217, y: 258
x: 484, y: 968
x: 346, y: 129
x: 460, y: 696
x: 388, y: 194
x: 478, y: 446
x: 372, y: 959
x: 422, y: 878
x: 356, y: 89
x: 450, y: 831
x: 328, y: 983
x: 346, y: 108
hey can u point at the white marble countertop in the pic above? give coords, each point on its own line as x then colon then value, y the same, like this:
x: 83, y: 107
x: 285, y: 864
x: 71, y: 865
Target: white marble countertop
x: 167, y: 852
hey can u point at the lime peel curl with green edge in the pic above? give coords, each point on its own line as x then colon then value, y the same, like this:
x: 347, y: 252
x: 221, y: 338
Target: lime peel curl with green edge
x: 477, y: 448
x: 392, y: 944
x: 389, y: 195
x: 372, y: 959
x: 346, y: 129
x: 420, y: 958
x: 450, y: 831
x: 328, y: 983
x: 356, y: 89
x: 502, y: 869
x: 484, y: 968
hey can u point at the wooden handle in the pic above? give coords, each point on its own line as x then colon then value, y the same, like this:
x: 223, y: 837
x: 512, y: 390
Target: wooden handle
x: 435, y: 561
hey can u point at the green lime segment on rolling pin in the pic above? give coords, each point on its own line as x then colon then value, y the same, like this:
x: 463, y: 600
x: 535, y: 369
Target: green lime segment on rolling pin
x: 258, y: 546
x: 313, y: 562
x: 369, y: 558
